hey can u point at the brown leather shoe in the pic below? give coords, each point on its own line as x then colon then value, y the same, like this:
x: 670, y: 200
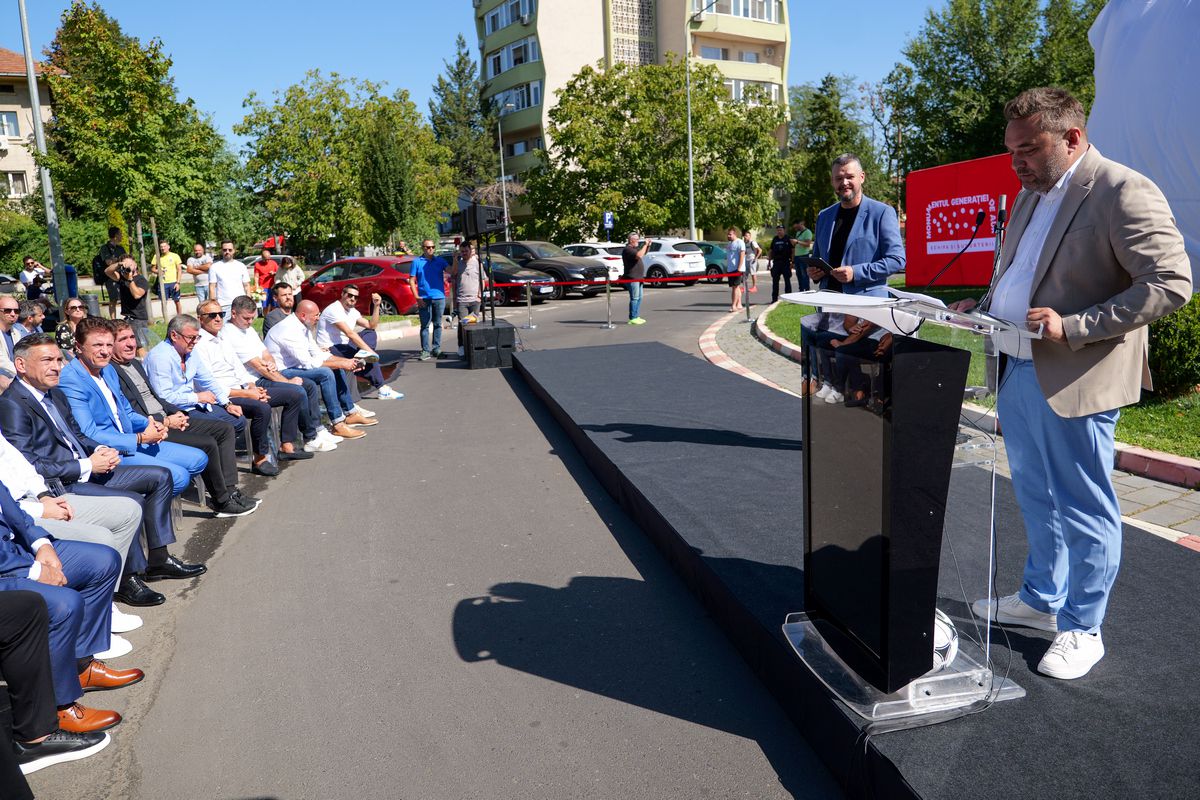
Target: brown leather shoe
x: 346, y: 432
x: 99, y: 676
x: 359, y: 420
x: 80, y: 719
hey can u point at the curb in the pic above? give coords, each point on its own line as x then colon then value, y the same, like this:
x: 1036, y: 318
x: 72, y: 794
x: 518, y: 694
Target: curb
x: 713, y: 353
x: 1164, y: 467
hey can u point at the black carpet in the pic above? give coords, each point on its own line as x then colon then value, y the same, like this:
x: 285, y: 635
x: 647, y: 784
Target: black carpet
x: 708, y: 464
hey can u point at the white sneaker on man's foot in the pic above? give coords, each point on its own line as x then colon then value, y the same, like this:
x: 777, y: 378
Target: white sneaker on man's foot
x: 319, y: 445
x: 117, y: 646
x: 1072, y: 655
x: 1013, y: 610
x: 388, y: 393
x: 122, y: 622
x: 362, y: 411
x: 327, y: 436
x: 824, y: 391
x: 835, y: 397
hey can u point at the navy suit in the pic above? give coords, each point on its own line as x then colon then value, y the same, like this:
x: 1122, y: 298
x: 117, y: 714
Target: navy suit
x: 80, y: 612
x: 873, y: 247
x: 27, y: 425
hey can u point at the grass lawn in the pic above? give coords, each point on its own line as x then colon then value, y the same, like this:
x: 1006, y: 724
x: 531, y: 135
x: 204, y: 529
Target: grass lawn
x: 1171, y: 425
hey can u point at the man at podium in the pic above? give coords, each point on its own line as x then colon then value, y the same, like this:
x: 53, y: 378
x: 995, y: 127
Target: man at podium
x: 1092, y: 257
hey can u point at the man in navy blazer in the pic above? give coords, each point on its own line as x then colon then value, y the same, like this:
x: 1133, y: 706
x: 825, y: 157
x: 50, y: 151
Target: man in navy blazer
x: 60, y: 451
x: 857, y: 236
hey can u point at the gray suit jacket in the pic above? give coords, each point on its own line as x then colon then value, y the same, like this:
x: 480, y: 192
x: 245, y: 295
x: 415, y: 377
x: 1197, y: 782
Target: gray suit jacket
x: 1113, y: 262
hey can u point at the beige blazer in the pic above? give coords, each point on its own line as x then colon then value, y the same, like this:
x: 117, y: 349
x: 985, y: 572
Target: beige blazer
x: 1113, y: 262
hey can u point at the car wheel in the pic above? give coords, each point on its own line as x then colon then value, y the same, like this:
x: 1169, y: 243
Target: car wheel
x: 559, y: 291
x: 501, y: 296
x: 656, y: 272
x: 387, y: 308
x: 711, y: 271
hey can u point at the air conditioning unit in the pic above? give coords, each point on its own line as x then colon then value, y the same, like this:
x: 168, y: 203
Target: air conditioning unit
x: 770, y: 51
x: 477, y: 3
x: 3, y: 149
x: 525, y: 19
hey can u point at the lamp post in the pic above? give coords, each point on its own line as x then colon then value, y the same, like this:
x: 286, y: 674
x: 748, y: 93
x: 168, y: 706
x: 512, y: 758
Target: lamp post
x: 503, y: 177
x: 687, y: 56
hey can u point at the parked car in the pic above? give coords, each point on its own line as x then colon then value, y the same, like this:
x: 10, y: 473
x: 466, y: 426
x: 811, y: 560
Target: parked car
x: 505, y: 270
x: 554, y: 261
x: 714, y: 259
x: 386, y: 275
x: 607, y: 253
x: 671, y: 257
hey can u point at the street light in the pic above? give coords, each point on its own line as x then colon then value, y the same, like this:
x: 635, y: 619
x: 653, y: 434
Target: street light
x: 687, y: 56
x: 503, y: 177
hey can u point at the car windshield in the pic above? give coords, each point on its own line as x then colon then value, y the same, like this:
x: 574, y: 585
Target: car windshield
x: 546, y: 250
x: 503, y: 262
x: 686, y: 247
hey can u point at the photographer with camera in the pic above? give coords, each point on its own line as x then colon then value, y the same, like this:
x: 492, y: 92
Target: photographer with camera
x: 134, y: 291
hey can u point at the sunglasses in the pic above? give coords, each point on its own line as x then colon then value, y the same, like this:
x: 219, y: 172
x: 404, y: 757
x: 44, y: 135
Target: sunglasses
x: 212, y: 315
x: 351, y: 296
x: 189, y: 339
x: 8, y: 310
x: 75, y: 308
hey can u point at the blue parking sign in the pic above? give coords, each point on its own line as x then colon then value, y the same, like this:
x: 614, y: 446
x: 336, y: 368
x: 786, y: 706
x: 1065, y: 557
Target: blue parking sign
x: 608, y: 220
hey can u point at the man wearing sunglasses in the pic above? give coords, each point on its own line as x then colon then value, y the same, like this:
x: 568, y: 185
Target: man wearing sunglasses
x: 336, y: 332
x: 427, y: 280
x: 9, y: 308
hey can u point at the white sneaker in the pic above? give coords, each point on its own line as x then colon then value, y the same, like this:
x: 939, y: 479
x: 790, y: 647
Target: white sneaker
x: 117, y: 646
x: 319, y: 445
x: 461, y: 352
x: 122, y: 622
x: 1015, y: 611
x: 388, y: 393
x: 327, y: 436
x: 824, y: 391
x: 362, y: 412
x: 835, y: 397
x: 1072, y: 655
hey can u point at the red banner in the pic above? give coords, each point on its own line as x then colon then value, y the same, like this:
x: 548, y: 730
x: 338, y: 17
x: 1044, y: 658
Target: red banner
x: 941, y: 210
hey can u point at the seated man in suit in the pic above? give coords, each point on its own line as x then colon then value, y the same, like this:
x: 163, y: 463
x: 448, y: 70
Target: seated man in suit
x: 37, y: 419
x: 212, y: 436
x: 30, y: 738
x: 76, y: 581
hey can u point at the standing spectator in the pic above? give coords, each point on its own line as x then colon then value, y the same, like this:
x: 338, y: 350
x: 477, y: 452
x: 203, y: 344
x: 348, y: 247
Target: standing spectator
x: 427, y: 280
x: 735, y: 262
x: 264, y: 276
x: 134, y: 291
x: 753, y: 254
x: 336, y: 332
x: 29, y: 319
x: 468, y: 287
x: 74, y: 310
x: 290, y: 273
x: 285, y: 303
x: 633, y: 270
x: 198, y: 266
x: 110, y: 251
x: 802, y: 239
x: 227, y: 278
x: 9, y: 308
x: 168, y: 275
x: 781, y: 262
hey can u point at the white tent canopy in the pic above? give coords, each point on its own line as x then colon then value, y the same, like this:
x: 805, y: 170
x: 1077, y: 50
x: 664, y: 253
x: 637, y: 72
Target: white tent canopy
x: 1147, y: 109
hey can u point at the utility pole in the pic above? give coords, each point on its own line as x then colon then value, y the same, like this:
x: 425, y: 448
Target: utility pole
x: 39, y: 136
x: 503, y: 177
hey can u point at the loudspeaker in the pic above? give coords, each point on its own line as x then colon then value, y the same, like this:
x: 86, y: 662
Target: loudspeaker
x: 478, y: 220
x: 489, y: 344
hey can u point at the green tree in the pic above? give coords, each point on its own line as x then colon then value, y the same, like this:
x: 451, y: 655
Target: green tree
x: 1065, y: 56
x: 386, y: 175
x: 463, y: 121
x: 619, y: 143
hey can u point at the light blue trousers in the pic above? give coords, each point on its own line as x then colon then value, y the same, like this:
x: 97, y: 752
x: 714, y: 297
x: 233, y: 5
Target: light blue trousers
x: 1062, y: 476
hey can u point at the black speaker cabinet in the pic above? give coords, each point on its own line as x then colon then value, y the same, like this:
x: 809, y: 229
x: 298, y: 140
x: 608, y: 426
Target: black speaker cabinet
x: 876, y: 475
x: 489, y: 344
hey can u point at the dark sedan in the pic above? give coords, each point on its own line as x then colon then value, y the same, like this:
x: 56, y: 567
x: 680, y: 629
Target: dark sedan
x: 506, y: 271
x: 556, y: 262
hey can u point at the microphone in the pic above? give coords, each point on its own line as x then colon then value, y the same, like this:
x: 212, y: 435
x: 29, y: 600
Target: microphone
x: 1002, y: 213
x: 980, y: 218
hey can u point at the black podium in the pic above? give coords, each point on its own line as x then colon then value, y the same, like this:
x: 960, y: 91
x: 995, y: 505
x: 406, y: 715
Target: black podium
x: 489, y: 344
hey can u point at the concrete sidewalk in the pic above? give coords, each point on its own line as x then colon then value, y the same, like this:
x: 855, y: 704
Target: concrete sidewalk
x: 1156, y: 506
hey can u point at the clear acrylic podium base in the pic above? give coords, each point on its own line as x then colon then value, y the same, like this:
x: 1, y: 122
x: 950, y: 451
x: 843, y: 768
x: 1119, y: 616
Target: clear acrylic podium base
x: 964, y: 682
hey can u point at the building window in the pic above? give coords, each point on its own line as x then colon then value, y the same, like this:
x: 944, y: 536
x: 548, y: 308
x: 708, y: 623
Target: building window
x: 8, y: 124
x: 737, y: 89
x: 513, y: 55
x: 14, y: 184
x: 524, y: 96
x: 761, y: 10
x: 749, y: 57
x: 714, y: 53
x: 8, y: 88
x: 508, y: 14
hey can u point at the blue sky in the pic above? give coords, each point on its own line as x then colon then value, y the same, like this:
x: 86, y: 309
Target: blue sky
x: 223, y: 50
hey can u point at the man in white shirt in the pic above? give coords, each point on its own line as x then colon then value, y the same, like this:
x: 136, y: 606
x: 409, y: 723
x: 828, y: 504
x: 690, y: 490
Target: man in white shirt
x: 336, y: 332
x: 32, y: 270
x: 256, y: 403
x: 291, y: 345
x: 227, y: 278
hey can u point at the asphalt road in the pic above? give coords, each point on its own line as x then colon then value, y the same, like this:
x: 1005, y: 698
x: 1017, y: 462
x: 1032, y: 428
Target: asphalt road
x: 449, y: 608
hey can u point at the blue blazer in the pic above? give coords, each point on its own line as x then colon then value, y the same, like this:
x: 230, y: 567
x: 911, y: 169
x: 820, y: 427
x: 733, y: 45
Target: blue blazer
x: 873, y: 248
x: 25, y: 423
x: 92, y: 412
x: 18, y: 532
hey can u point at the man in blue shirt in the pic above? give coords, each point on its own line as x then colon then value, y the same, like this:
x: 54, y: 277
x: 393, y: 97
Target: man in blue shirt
x: 427, y: 280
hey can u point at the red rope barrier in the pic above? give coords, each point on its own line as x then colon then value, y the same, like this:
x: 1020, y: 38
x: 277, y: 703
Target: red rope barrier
x: 697, y: 277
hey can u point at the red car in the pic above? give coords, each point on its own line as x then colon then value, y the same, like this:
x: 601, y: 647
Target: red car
x: 387, y: 275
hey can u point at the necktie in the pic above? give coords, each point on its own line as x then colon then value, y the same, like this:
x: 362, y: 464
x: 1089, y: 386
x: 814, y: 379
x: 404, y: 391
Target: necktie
x: 63, y: 428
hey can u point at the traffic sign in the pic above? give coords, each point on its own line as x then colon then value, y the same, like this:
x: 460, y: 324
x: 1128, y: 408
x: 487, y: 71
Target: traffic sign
x: 608, y: 220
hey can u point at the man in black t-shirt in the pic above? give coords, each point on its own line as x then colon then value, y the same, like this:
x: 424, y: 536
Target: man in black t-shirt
x: 781, y: 262
x: 134, y: 293
x: 634, y: 271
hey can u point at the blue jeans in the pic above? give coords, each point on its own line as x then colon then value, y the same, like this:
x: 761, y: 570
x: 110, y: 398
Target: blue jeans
x: 635, y: 298
x: 201, y: 290
x: 325, y: 381
x: 182, y: 460
x: 431, y: 311
x: 1061, y: 474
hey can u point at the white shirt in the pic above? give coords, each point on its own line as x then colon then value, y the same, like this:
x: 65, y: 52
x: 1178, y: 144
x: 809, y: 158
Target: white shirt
x: 245, y: 344
x: 231, y: 278
x: 293, y: 347
x: 85, y: 464
x: 112, y: 401
x: 21, y: 479
x: 328, y: 333
x: 218, y: 355
x: 1013, y: 292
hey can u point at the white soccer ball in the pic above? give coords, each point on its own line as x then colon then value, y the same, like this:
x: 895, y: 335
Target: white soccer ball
x: 945, y: 641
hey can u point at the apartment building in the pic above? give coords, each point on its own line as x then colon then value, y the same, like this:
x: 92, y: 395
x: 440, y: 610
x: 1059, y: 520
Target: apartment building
x: 18, y: 172
x: 531, y: 48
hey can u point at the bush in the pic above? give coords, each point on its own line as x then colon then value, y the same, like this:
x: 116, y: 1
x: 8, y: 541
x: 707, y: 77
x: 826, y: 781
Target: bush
x: 21, y: 236
x: 1175, y: 350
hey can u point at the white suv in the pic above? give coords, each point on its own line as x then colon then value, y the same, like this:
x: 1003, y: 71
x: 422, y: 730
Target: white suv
x: 607, y: 253
x: 670, y: 257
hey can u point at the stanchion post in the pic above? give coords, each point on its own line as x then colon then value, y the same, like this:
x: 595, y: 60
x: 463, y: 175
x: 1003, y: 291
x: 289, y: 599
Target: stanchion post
x: 608, y: 300
x: 746, y: 292
x: 528, y: 326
